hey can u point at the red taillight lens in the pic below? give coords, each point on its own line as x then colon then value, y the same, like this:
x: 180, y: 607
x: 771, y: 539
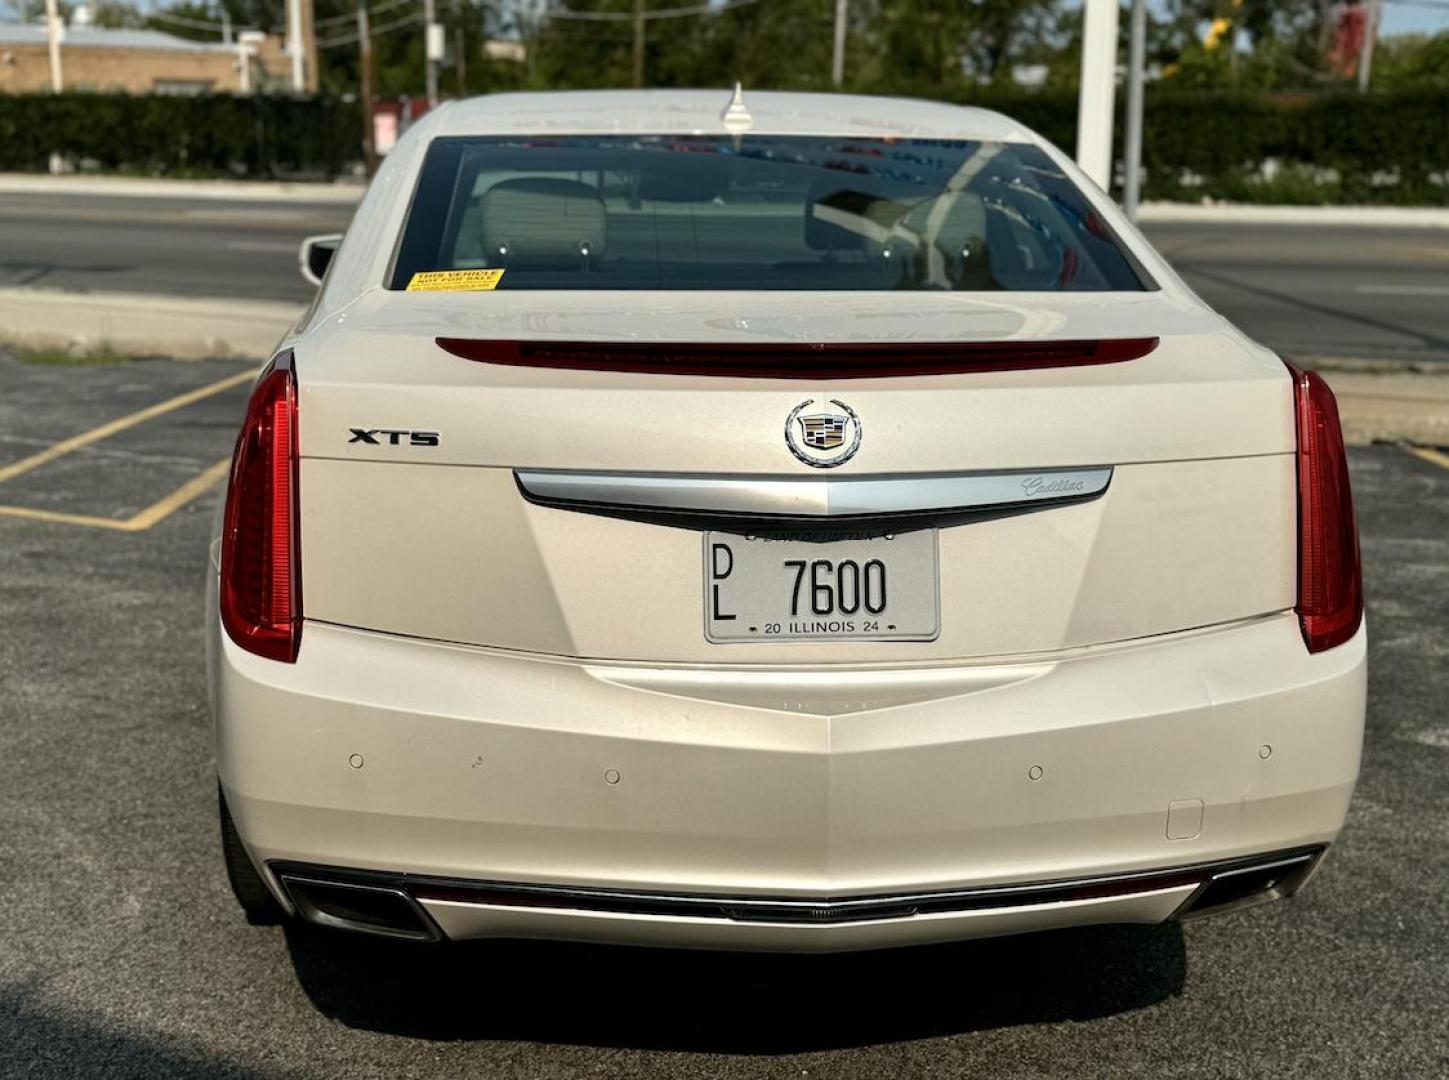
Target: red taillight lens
x: 261, y: 580
x: 1330, y: 580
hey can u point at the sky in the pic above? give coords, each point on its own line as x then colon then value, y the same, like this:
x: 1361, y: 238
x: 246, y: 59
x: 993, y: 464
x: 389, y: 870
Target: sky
x: 1417, y: 18
x: 1400, y: 16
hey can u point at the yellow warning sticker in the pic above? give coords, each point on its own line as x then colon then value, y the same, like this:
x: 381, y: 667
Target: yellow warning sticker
x: 455, y: 281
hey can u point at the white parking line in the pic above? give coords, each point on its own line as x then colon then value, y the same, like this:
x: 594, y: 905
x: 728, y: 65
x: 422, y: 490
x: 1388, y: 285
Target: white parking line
x: 1404, y: 290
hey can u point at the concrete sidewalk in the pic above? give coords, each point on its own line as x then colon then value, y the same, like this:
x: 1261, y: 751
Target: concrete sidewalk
x: 1369, y: 217
x: 346, y: 192
x: 1404, y: 406
x: 184, y: 328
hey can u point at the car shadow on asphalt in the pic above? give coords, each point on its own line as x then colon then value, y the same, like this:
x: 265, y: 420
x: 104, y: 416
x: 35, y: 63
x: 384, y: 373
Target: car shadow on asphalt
x: 732, y: 1003
x: 39, y: 1038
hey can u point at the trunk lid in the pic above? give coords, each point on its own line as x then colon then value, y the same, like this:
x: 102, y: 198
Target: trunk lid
x: 433, y: 538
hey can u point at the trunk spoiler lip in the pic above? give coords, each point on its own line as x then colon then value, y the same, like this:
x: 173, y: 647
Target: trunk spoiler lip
x: 820, y: 360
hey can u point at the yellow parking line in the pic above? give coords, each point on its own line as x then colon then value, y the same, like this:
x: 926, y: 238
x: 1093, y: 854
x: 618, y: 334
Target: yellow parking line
x: 145, y: 519
x: 75, y: 442
x: 63, y: 519
x: 164, y: 508
x: 1434, y: 457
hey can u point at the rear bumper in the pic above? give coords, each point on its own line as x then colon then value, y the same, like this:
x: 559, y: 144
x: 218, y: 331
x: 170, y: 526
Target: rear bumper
x: 441, y: 762
x: 429, y: 909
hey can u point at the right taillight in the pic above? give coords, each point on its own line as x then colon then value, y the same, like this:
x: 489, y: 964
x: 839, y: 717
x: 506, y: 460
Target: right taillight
x: 261, y: 579
x: 1330, y: 580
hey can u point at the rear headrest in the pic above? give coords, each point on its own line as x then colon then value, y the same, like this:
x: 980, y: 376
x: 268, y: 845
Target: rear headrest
x: 844, y: 213
x: 541, y: 222
x: 953, y: 220
x: 952, y: 229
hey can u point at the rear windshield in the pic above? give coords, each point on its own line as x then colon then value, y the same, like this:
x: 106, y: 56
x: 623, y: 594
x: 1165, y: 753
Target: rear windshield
x: 757, y: 212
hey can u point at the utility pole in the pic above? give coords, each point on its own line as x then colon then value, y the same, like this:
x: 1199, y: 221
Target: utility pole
x: 309, y: 46
x: 243, y: 68
x: 247, y: 44
x: 638, y: 43
x: 1099, y: 86
x: 53, y: 29
x: 364, y: 92
x: 225, y: 27
x: 837, y: 60
x: 432, y: 50
x: 460, y: 50
x: 1372, y: 14
x: 294, y: 45
x: 1136, y: 61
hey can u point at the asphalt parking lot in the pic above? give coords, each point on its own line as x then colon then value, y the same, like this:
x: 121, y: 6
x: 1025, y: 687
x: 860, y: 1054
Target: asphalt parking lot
x: 122, y: 953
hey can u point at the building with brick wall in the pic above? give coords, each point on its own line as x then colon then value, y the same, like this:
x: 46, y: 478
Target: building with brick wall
x: 138, y: 62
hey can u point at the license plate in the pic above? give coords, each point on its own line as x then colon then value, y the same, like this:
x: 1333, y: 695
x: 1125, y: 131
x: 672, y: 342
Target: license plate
x: 881, y: 588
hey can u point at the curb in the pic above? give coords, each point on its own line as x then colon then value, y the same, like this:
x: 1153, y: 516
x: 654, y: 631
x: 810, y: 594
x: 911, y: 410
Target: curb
x: 1397, y: 406
x: 1376, y: 217
x: 184, y: 328
x: 157, y: 188
x: 1369, y: 365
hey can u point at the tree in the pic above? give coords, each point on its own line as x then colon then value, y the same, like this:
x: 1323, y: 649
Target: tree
x: 117, y: 15
x: 1285, y: 41
x: 924, y: 47
x: 1409, y: 60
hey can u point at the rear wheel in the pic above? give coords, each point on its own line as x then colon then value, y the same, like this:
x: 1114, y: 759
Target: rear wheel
x: 247, y: 886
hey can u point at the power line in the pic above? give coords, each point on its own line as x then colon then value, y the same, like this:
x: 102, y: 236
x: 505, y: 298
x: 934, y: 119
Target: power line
x: 376, y: 9
x: 377, y: 31
x: 664, y: 13
x: 193, y: 24
x: 217, y: 27
x: 398, y: 24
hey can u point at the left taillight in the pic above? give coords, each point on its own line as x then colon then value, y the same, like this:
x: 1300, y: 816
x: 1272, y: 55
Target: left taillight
x: 261, y: 569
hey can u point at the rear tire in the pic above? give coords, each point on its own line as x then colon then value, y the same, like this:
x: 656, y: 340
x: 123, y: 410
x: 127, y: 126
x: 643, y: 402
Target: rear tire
x: 251, y: 892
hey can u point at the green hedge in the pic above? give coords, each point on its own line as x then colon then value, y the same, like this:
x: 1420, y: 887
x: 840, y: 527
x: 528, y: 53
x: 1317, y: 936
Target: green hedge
x: 1376, y: 148
x: 1339, y: 148
x: 180, y: 136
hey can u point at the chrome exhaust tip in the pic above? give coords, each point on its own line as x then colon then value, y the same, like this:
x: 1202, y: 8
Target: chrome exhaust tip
x: 370, y: 909
x: 1250, y: 884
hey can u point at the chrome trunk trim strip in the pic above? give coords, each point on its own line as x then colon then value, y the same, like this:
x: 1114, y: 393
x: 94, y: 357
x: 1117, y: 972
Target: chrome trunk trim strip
x: 809, y: 497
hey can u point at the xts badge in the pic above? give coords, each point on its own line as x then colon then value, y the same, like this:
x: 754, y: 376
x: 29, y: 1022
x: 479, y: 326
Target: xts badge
x: 394, y: 437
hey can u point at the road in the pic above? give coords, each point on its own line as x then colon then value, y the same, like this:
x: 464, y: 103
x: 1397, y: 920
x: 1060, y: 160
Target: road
x: 1343, y: 292
x: 174, y: 247
x: 1340, y: 292
x: 122, y: 953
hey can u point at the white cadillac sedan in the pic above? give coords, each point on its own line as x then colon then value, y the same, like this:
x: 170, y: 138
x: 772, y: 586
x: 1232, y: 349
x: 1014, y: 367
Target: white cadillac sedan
x: 780, y: 522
